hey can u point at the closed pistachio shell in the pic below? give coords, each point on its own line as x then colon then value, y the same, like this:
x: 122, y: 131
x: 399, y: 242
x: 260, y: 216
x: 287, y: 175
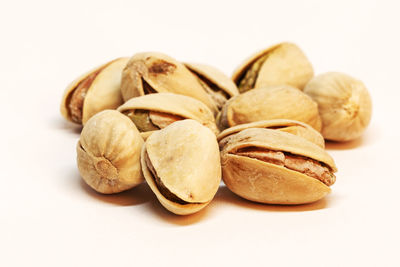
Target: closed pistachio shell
x: 290, y: 126
x: 94, y: 91
x: 344, y: 105
x: 276, y: 167
x: 109, y: 153
x: 219, y: 86
x: 280, y: 64
x: 181, y: 164
x: 277, y: 102
x: 173, y: 106
x: 152, y: 72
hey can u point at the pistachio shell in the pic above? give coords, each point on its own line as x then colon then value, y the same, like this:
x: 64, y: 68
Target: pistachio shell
x: 185, y: 157
x: 268, y: 183
x: 344, y: 105
x: 280, y: 64
x: 290, y: 126
x: 277, y: 102
x: 180, y: 105
x: 265, y: 182
x: 158, y: 73
x: 108, y: 153
x: 103, y: 93
x: 219, y: 86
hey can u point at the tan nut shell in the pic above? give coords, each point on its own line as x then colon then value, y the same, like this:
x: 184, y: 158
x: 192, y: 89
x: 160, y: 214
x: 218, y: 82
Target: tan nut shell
x: 163, y: 74
x: 344, y: 105
x: 264, y: 182
x: 290, y: 126
x: 277, y: 102
x: 286, y: 64
x: 184, y: 106
x: 186, y: 158
x: 214, y: 75
x: 103, y: 93
x: 109, y: 153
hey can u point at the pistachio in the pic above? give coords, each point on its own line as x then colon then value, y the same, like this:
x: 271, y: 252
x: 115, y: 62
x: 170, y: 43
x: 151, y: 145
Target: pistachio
x: 181, y: 164
x: 344, y: 105
x: 97, y: 90
x: 290, y: 126
x: 219, y: 86
x: 156, y: 111
x: 276, y: 167
x: 276, y: 102
x: 109, y: 153
x: 148, y: 73
x: 141, y: 119
x: 280, y: 64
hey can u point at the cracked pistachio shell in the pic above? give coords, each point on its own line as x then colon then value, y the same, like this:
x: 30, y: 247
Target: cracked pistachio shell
x: 221, y: 85
x: 264, y: 182
x: 344, y: 105
x: 178, y: 105
x: 186, y: 159
x: 109, y: 153
x: 283, y: 63
x: 290, y: 126
x: 276, y: 102
x: 103, y: 92
x: 153, y: 72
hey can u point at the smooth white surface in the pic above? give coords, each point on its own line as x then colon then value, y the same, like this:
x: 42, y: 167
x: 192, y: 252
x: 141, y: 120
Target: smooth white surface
x: 48, y: 217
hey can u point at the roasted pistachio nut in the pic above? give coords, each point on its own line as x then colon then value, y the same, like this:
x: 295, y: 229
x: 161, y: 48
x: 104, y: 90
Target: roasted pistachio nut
x: 156, y: 111
x: 109, y: 153
x: 344, y: 105
x: 96, y: 90
x: 290, y: 126
x: 280, y: 64
x: 148, y: 73
x: 276, y: 167
x: 219, y: 86
x: 181, y: 164
x: 276, y: 102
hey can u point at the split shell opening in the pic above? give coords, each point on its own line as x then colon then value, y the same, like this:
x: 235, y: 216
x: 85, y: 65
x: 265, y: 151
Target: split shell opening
x: 275, y: 167
x: 181, y: 164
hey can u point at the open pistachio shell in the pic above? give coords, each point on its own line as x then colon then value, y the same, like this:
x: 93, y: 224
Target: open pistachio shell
x: 94, y: 91
x: 219, y: 86
x: 181, y: 164
x: 148, y: 73
x: 109, y: 153
x: 289, y: 126
x: 280, y: 64
x: 275, y: 102
x: 344, y: 104
x: 173, y: 106
x: 276, y: 167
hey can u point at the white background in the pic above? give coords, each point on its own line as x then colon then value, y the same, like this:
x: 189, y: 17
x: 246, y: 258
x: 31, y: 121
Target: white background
x: 49, y: 217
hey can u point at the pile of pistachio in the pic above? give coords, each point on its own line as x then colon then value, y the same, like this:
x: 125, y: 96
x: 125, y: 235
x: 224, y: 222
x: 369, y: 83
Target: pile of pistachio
x: 182, y: 127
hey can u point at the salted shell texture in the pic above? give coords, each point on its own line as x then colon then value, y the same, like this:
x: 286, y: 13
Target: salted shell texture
x: 179, y: 106
x: 109, y: 153
x: 267, y: 182
x: 275, y: 102
x: 290, y: 126
x: 219, y: 86
x: 99, y: 89
x: 184, y: 160
x: 152, y: 72
x: 283, y: 63
x: 344, y: 105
